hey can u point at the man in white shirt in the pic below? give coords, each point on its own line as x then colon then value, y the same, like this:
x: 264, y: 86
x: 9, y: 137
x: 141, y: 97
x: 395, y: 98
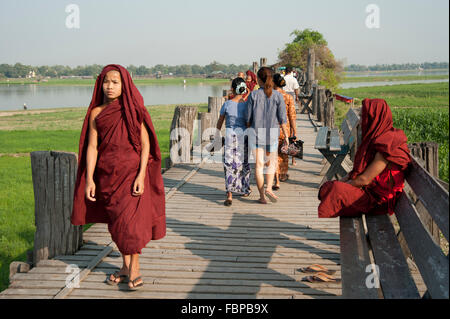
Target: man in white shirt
x: 292, y: 86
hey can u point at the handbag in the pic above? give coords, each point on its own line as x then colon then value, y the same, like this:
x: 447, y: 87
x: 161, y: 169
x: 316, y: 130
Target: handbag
x: 295, y: 148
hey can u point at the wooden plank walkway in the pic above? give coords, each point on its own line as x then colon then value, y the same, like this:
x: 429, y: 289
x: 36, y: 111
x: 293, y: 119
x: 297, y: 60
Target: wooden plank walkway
x: 247, y: 250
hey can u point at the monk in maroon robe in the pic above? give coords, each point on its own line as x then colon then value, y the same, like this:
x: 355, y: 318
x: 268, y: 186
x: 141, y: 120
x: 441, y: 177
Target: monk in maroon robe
x: 119, y: 179
x: 377, y: 178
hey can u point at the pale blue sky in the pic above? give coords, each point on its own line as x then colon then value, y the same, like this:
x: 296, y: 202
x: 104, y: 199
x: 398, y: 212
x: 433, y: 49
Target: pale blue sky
x: 200, y: 31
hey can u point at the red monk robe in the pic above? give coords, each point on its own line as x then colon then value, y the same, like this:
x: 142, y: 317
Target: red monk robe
x: 132, y: 220
x: 378, y: 135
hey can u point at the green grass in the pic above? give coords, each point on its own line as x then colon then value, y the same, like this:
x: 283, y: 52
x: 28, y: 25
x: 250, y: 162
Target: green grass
x: 91, y: 82
x: 393, y: 78
x: 409, y: 95
x: 16, y: 213
x: 29, y: 141
x: 426, y: 125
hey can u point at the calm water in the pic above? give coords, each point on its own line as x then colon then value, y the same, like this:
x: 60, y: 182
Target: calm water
x: 12, y: 97
x: 381, y: 73
x: 361, y: 84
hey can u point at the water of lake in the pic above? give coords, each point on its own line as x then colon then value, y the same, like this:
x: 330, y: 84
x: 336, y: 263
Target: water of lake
x: 350, y: 85
x: 393, y: 73
x: 12, y: 97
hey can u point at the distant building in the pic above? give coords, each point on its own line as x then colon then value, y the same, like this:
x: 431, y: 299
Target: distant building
x: 31, y: 75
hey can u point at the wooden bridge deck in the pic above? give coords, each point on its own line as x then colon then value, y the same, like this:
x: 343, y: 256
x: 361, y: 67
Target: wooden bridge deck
x: 247, y: 250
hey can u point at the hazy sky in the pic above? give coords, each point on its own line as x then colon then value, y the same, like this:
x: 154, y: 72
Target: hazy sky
x: 233, y: 31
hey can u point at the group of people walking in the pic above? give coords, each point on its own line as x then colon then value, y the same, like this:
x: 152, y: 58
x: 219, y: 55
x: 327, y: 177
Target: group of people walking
x: 119, y: 179
x: 259, y: 118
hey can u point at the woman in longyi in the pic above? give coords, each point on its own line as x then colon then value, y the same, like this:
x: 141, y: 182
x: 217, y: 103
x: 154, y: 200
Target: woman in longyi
x: 119, y: 179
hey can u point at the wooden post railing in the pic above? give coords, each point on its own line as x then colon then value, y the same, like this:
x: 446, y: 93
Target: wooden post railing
x: 310, y: 77
x: 427, y: 154
x: 263, y: 62
x: 181, y: 133
x: 255, y: 67
x: 329, y: 109
x: 54, y: 175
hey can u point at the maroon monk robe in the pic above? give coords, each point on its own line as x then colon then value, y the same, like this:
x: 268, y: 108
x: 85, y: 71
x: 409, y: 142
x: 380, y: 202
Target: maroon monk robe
x: 378, y: 135
x: 251, y: 84
x: 132, y: 220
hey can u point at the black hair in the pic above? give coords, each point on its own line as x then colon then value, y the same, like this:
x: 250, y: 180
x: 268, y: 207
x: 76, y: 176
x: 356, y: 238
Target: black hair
x: 279, y: 80
x: 265, y: 74
x: 237, y: 82
x: 288, y: 70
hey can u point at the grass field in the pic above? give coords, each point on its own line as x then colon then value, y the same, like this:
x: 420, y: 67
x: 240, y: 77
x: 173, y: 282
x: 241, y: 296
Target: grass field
x: 59, y: 129
x: 409, y: 95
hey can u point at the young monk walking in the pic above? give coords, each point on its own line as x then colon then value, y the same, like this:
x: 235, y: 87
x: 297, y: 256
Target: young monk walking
x: 377, y: 178
x: 119, y: 179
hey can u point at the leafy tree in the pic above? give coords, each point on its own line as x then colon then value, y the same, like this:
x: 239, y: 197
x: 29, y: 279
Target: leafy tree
x: 295, y: 54
x: 142, y: 70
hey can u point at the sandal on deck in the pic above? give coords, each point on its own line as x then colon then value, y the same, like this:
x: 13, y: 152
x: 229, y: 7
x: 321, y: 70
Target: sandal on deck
x: 317, y: 268
x: 136, y: 287
x: 272, y: 198
x: 122, y: 278
x: 275, y: 188
x: 285, y: 178
x: 321, y: 277
x: 228, y: 202
x: 248, y: 194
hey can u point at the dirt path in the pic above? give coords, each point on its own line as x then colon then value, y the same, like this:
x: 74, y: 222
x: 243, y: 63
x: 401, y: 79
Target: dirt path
x: 15, y: 154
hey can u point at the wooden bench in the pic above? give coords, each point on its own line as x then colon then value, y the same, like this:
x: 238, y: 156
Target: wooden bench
x: 372, y: 240
x: 328, y: 142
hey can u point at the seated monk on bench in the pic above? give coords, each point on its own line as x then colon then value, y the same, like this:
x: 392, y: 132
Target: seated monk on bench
x: 377, y: 178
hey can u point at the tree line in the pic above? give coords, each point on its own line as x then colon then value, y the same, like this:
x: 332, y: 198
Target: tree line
x: 19, y: 70
x: 393, y: 67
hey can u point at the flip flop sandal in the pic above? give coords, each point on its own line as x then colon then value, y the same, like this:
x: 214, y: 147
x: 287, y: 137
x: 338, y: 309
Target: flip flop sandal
x: 136, y: 287
x: 272, y: 198
x: 122, y: 278
x: 275, y: 188
x: 320, y: 277
x: 285, y: 178
x: 228, y: 202
x: 248, y: 194
x: 317, y: 268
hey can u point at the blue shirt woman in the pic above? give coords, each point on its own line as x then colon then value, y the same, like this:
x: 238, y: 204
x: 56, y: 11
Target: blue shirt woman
x: 265, y: 115
x: 266, y: 112
x: 235, y: 114
x: 235, y: 160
